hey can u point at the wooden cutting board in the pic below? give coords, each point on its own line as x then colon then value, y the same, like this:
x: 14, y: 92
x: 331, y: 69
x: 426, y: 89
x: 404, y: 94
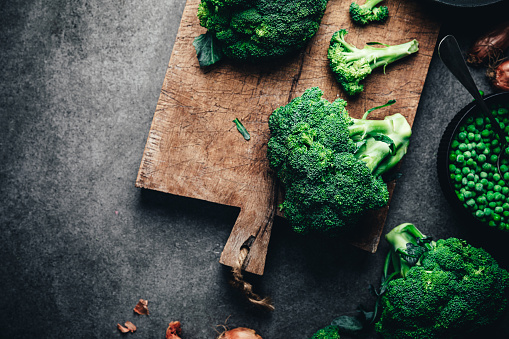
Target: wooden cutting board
x: 194, y: 149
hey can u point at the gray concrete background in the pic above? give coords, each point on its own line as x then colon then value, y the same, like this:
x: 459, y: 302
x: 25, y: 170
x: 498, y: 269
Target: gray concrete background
x: 80, y: 244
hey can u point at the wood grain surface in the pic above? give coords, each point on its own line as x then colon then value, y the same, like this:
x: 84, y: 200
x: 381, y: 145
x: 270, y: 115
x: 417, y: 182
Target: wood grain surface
x: 194, y: 149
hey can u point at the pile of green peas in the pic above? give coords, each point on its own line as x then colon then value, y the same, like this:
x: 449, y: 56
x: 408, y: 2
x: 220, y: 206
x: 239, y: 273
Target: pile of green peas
x: 473, y: 156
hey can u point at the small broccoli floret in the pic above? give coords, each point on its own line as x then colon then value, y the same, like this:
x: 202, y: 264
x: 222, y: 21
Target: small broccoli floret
x: 328, y: 332
x: 253, y: 30
x: 445, y: 289
x: 351, y: 65
x: 364, y: 14
x: 330, y: 163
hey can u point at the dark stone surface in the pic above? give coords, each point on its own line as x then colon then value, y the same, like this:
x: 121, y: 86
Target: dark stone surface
x: 80, y: 244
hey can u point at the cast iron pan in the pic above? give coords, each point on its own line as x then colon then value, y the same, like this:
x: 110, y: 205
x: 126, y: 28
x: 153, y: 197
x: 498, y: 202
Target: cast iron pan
x: 467, y: 3
x: 443, y: 158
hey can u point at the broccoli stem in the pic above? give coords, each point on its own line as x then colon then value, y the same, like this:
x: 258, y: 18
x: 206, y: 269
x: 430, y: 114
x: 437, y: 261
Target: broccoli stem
x: 381, y: 56
x: 378, y: 155
x: 398, y: 238
x: 369, y: 4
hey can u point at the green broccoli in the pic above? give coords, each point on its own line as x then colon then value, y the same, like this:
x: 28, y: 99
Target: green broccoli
x: 330, y: 163
x: 328, y: 332
x: 350, y: 65
x: 443, y: 289
x: 251, y: 30
x: 364, y: 14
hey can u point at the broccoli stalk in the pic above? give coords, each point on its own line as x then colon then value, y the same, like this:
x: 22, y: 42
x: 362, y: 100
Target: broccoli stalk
x: 364, y: 14
x: 408, y: 244
x: 387, y: 144
x: 350, y: 64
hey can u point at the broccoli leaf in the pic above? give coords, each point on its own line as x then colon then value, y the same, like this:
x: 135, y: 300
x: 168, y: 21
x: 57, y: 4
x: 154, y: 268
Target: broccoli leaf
x: 348, y: 324
x: 207, y: 48
x: 386, y: 139
x: 415, y: 252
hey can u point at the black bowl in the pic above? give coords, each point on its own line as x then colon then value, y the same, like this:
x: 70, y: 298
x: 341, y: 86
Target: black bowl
x: 467, y: 3
x: 443, y: 157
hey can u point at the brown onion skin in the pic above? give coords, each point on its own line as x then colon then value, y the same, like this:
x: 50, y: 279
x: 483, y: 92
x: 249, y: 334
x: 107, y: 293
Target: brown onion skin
x: 490, y: 46
x: 500, y: 76
x: 240, y: 333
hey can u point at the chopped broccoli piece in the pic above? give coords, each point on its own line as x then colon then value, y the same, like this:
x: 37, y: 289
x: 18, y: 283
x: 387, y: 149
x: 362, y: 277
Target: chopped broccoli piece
x: 444, y: 289
x: 330, y: 163
x: 364, y: 14
x: 350, y: 65
x: 328, y: 332
x: 250, y: 30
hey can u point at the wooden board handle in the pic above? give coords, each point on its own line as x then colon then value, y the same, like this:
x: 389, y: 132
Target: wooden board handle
x: 251, y: 230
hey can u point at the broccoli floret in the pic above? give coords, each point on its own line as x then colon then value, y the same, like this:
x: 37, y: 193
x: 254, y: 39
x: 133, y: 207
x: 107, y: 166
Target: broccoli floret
x: 330, y: 163
x: 251, y: 30
x: 364, y: 14
x: 328, y: 332
x: 350, y: 65
x: 445, y: 289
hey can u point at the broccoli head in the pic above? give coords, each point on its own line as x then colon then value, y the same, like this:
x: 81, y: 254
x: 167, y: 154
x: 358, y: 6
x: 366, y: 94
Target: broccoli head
x: 250, y: 30
x: 328, y: 332
x: 364, y: 14
x: 351, y: 65
x: 330, y: 163
x: 443, y: 289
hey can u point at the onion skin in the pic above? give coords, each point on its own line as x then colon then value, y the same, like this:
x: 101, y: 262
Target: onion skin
x: 490, y: 47
x: 500, y: 76
x: 240, y: 333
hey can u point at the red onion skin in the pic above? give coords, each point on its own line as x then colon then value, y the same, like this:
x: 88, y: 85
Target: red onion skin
x: 490, y: 46
x: 240, y: 333
x: 500, y: 76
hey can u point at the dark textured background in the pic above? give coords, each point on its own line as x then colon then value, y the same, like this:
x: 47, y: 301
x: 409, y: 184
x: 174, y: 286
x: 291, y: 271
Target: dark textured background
x: 80, y: 244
